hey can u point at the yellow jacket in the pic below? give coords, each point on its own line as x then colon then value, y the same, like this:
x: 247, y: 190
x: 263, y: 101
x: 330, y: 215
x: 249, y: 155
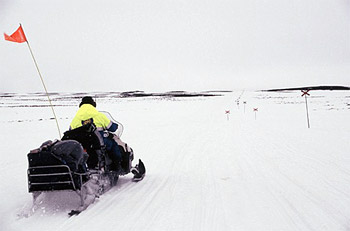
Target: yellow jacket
x: 86, y: 112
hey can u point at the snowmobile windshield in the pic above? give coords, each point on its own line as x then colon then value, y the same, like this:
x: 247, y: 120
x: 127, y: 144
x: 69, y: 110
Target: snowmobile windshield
x: 120, y: 129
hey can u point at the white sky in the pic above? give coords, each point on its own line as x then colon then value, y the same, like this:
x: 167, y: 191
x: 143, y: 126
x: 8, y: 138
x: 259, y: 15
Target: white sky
x: 161, y: 45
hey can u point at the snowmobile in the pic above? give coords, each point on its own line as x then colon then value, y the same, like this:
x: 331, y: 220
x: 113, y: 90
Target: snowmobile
x: 89, y: 179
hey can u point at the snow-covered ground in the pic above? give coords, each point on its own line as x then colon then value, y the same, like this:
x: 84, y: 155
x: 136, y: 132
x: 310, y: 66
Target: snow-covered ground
x: 204, y: 172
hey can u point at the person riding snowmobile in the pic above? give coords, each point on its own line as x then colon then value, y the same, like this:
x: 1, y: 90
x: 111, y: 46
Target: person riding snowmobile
x: 88, y: 113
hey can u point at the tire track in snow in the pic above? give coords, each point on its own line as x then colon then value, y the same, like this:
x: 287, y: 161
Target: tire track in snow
x: 279, y: 181
x: 322, y: 197
x: 270, y: 181
x: 210, y: 212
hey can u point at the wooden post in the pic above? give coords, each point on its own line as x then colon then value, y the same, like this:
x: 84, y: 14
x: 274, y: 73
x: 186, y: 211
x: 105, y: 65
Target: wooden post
x: 255, y: 110
x: 227, y: 112
x: 305, y: 93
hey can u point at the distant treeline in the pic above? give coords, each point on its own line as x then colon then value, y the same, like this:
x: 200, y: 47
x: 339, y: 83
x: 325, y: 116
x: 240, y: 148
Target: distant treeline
x: 330, y: 88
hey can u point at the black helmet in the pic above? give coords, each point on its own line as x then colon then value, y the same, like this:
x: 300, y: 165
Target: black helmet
x: 87, y: 100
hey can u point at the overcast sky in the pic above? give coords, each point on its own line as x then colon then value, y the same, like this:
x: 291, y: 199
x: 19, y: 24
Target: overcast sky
x: 162, y: 45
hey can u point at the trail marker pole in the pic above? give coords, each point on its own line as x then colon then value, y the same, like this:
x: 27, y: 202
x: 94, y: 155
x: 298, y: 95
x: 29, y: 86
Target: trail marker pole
x: 306, y: 93
x: 244, y: 103
x: 227, y: 112
x: 255, y: 111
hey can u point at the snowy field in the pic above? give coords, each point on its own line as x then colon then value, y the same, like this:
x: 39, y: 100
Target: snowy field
x: 204, y: 171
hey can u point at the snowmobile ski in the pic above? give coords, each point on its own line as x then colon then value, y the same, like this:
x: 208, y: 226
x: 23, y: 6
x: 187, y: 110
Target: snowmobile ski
x: 139, y: 171
x: 74, y: 212
x: 139, y: 178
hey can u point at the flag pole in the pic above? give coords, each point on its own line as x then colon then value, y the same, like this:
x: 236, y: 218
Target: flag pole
x: 42, y: 81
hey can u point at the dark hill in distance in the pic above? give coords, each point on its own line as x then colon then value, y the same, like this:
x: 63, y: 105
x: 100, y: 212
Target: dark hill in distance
x: 330, y: 88
x: 169, y: 94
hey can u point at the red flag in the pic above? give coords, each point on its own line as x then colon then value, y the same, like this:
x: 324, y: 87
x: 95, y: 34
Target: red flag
x: 18, y: 36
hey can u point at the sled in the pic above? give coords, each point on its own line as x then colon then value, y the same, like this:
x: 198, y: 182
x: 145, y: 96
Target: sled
x: 48, y: 173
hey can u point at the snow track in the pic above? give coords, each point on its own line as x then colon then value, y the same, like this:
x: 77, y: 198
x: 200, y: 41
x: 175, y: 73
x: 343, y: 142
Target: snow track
x: 205, y: 172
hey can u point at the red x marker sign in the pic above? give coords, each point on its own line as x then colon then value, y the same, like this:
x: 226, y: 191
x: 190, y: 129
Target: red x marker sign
x: 305, y: 92
x: 255, y: 109
x: 227, y: 112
